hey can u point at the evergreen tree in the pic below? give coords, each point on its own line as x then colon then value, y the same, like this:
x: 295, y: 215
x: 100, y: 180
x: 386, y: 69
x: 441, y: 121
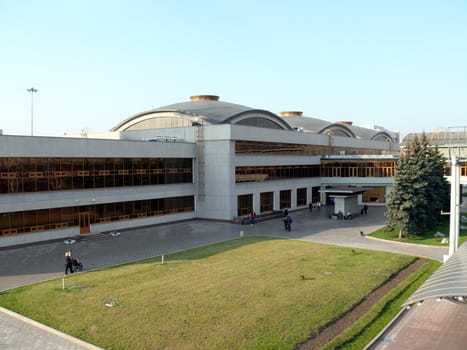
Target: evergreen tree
x: 439, y: 188
x: 402, y: 198
x: 420, y: 190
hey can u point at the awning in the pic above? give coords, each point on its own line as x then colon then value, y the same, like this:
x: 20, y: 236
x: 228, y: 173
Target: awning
x: 449, y: 281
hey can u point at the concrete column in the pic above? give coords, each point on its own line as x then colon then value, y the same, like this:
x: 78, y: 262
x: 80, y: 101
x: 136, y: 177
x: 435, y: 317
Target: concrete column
x: 256, y: 202
x: 455, y: 201
x: 276, y: 200
x: 322, y: 196
x: 293, y: 198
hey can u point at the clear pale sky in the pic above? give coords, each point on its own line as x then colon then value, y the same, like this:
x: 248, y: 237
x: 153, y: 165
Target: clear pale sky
x: 398, y: 64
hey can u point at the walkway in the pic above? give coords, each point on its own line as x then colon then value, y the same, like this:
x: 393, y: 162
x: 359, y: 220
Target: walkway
x: 26, y: 265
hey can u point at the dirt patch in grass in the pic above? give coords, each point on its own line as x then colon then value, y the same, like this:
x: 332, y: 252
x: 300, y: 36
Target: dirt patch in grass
x: 334, y: 329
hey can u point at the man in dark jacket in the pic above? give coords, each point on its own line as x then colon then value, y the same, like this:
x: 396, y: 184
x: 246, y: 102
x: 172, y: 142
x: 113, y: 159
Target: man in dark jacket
x: 68, y: 262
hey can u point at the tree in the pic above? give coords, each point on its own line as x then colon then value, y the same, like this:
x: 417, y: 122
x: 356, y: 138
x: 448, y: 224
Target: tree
x: 420, y: 190
x: 438, y: 190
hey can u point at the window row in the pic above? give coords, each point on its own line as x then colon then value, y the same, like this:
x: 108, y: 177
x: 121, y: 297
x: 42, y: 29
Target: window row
x: 245, y: 202
x: 59, y: 218
x: 252, y: 147
x: 462, y: 169
x: 18, y: 175
x: 264, y: 173
x: 358, y: 169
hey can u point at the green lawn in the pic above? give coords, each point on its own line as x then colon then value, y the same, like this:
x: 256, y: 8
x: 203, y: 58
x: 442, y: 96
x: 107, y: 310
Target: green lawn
x: 248, y: 293
x: 428, y: 236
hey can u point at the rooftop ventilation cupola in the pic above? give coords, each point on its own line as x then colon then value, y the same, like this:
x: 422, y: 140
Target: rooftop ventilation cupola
x: 204, y: 98
x: 291, y: 114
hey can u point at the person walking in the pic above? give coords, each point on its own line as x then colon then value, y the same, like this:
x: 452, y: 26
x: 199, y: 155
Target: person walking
x: 68, y: 262
x: 252, y: 218
x: 287, y: 223
x: 284, y: 220
x: 310, y: 207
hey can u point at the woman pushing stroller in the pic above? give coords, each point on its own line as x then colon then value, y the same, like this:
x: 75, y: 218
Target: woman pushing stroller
x: 72, y: 263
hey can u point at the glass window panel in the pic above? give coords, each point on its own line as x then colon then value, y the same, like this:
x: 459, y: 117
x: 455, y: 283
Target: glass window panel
x: 285, y: 199
x: 42, y: 217
x: 301, y: 196
x: 5, y: 221
x: 42, y: 184
x: 67, y: 215
x: 17, y: 220
x: 29, y: 218
x: 42, y: 164
x: 55, y: 216
x: 244, y: 204
x: 267, y: 202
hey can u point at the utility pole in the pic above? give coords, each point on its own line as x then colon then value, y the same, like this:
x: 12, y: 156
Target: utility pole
x: 32, y: 91
x: 455, y: 202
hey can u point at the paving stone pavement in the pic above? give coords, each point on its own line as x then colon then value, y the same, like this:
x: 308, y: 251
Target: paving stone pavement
x: 29, y: 264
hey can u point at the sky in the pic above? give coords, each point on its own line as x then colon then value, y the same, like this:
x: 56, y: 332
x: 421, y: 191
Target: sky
x: 397, y: 64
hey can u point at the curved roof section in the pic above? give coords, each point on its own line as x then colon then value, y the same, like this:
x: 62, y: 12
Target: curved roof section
x: 382, y: 136
x: 307, y: 124
x: 439, y: 138
x: 206, y: 112
x: 319, y: 126
x: 338, y: 129
x: 448, y: 281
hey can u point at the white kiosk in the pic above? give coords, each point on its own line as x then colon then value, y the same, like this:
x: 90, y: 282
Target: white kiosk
x: 345, y: 200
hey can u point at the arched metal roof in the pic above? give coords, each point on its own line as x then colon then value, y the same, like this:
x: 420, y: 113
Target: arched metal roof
x: 449, y: 281
x: 210, y: 111
x: 307, y: 124
x: 319, y: 126
x: 337, y: 129
x: 382, y: 135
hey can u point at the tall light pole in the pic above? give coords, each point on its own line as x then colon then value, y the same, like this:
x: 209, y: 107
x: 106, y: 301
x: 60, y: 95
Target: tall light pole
x: 32, y: 91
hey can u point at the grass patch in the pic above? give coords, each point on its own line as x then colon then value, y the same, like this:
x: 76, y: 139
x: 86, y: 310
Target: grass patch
x: 366, y: 328
x: 248, y: 293
x: 427, y: 237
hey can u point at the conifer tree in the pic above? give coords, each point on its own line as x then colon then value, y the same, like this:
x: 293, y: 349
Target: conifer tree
x: 420, y: 190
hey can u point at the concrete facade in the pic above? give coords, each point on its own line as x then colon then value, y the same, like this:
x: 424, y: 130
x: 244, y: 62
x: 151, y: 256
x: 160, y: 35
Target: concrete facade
x: 207, y: 133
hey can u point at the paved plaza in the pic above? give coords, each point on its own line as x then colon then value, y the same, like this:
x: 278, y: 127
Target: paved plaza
x: 25, y: 265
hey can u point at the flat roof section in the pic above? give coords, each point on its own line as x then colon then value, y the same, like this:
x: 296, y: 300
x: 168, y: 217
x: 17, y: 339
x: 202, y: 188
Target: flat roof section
x: 345, y: 190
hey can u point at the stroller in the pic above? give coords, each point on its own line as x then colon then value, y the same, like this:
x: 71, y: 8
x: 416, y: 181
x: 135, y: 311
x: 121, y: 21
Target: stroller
x: 77, y: 265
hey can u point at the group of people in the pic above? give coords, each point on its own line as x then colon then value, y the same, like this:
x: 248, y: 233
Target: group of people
x: 310, y: 206
x: 287, y: 220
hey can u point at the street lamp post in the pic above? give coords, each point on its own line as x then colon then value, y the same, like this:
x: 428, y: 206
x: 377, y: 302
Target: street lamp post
x: 32, y: 91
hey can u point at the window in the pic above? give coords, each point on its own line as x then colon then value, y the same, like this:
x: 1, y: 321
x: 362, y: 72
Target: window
x: 267, y: 202
x: 244, y: 204
x: 18, y: 175
x: 285, y: 200
x: 56, y: 218
x: 301, y: 197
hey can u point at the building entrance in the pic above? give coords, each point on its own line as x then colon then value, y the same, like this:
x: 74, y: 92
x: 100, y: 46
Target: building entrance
x: 84, y: 223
